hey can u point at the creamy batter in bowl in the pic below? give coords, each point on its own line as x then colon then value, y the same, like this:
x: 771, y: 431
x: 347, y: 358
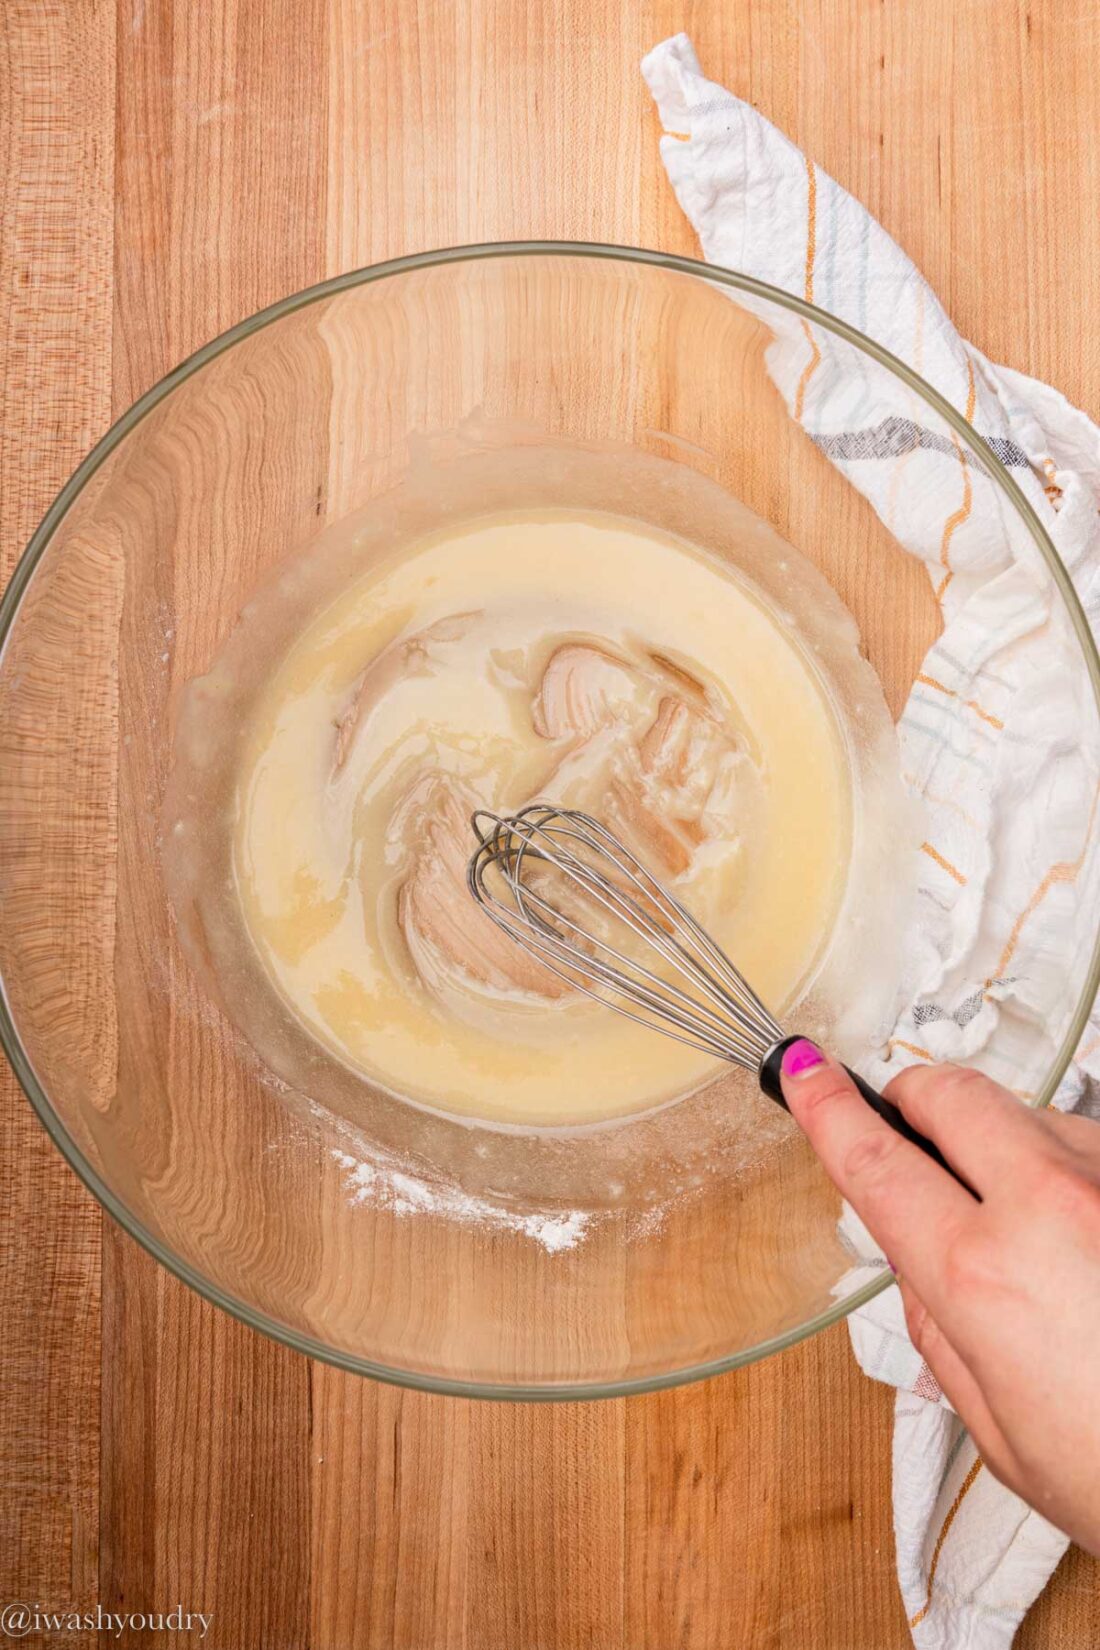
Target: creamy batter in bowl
x: 398, y: 1217
x: 706, y: 696
x: 584, y: 658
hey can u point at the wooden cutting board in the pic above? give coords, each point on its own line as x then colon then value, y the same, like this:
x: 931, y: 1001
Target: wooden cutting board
x: 167, y: 169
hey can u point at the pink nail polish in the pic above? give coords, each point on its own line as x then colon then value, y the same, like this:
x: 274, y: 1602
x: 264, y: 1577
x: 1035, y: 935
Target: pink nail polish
x: 801, y: 1058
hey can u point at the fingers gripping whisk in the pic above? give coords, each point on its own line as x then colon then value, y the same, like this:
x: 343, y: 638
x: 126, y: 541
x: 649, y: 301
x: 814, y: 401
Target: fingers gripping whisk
x: 574, y: 896
x: 579, y: 902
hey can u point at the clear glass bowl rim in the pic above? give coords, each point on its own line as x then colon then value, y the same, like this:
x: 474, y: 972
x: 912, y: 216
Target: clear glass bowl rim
x: 716, y: 275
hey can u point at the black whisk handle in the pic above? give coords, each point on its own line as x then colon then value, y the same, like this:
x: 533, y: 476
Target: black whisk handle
x: 769, y: 1082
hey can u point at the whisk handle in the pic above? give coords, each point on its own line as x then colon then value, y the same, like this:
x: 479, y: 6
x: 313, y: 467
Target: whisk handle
x: 769, y: 1082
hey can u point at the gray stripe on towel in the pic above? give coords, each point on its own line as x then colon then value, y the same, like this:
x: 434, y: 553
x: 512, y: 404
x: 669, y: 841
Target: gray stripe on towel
x: 895, y: 436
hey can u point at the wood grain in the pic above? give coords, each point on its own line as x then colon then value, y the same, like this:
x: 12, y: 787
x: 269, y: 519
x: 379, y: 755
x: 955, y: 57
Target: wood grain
x: 166, y: 170
x: 56, y: 150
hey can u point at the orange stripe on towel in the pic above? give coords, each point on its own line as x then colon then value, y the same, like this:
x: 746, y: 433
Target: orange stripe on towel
x: 967, y: 1484
x: 944, y: 864
x: 971, y: 704
x: 1066, y: 870
x: 913, y: 1048
x: 811, y: 253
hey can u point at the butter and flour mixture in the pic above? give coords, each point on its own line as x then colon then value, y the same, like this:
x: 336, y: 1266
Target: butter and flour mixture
x: 583, y: 658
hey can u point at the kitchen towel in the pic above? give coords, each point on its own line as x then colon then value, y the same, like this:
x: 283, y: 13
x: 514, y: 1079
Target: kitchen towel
x: 1009, y: 876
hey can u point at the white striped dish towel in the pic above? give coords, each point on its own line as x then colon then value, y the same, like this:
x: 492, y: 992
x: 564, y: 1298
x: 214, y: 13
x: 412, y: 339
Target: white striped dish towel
x: 1008, y: 877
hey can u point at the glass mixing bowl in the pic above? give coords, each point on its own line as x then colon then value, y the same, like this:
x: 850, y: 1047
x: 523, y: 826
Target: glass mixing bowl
x: 259, y: 1185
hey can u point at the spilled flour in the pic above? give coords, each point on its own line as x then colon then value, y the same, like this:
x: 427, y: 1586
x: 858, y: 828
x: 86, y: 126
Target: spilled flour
x: 403, y: 1194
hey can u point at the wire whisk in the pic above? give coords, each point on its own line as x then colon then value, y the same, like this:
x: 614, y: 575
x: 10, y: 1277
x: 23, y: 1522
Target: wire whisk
x: 581, y: 903
x: 699, y: 999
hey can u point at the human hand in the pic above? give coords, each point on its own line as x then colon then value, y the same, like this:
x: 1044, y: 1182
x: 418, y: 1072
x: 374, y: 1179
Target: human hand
x: 1001, y: 1295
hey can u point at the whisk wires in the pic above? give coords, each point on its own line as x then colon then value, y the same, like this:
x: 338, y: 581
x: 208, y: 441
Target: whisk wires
x: 577, y: 899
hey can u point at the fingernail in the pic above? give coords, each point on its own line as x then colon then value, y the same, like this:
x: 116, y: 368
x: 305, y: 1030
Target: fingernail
x: 801, y: 1058
x: 891, y: 1265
